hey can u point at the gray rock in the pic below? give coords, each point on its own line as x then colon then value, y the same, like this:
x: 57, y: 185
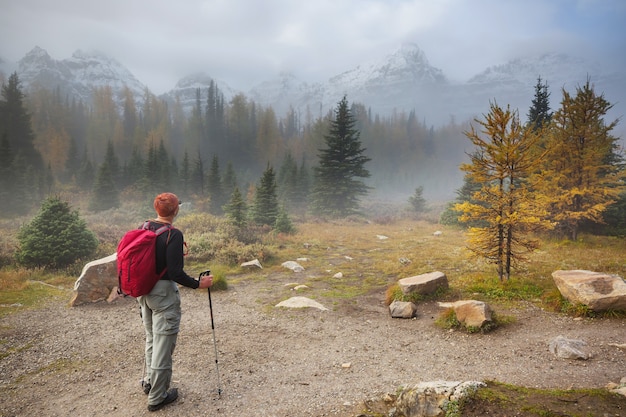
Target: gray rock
x: 301, y: 302
x: 293, y: 265
x: 254, y: 262
x: 431, y: 399
x: 564, y: 348
x: 402, y: 309
x: 424, y: 284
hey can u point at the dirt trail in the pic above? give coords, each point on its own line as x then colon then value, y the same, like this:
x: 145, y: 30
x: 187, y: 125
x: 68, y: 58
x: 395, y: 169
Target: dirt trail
x: 87, y: 361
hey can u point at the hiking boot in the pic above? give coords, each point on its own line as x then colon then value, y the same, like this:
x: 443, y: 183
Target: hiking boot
x: 172, y: 395
x: 146, y: 387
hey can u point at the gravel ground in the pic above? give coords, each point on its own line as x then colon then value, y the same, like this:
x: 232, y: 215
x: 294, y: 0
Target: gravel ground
x: 87, y: 360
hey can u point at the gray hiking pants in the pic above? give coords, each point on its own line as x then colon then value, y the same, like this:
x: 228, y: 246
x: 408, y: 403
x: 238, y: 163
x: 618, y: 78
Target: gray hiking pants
x: 160, y: 310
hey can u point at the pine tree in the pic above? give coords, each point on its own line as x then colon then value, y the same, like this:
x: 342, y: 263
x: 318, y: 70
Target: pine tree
x: 15, y: 123
x: 55, y: 238
x: 230, y: 179
x: 214, y: 186
x: 502, y: 163
x: 539, y: 114
x: 86, y: 173
x: 197, y: 181
x: 104, y: 194
x: 288, y: 180
x: 417, y: 200
x: 265, y: 208
x: 236, y: 210
x: 283, y: 223
x: 185, y: 175
x: 336, y: 191
x: 582, y: 174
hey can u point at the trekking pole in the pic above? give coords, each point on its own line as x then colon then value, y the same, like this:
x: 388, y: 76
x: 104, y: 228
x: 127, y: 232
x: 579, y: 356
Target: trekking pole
x: 217, y: 368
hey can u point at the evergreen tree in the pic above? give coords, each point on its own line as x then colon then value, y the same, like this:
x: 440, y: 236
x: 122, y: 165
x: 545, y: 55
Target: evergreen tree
x: 104, y: 194
x: 539, y: 114
x: 236, y: 209
x: 55, y: 238
x: 86, y: 173
x: 582, y: 174
x: 197, y: 176
x: 230, y: 179
x: 303, y: 185
x: 288, y: 181
x: 214, y: 186
x: 336, y: 190
x: 417, y: 201
x: 502, y: 164
x: 134, y: 169
x: 72, y: 162
x: 185, y: 175
x: 15, y: 123
x: 265, y: 208
x: 283, y: 222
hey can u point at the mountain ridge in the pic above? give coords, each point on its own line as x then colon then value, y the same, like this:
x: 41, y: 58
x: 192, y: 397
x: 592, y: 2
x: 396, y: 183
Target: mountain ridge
x: 402, y: 80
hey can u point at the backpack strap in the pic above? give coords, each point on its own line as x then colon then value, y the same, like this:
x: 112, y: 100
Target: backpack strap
x: 165, y: 228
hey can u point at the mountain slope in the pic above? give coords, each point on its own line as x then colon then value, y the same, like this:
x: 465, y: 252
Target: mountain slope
x: 401, y: 81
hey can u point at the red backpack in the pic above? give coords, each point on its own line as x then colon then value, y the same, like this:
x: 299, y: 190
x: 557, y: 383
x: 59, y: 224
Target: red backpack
x: 136, y: 260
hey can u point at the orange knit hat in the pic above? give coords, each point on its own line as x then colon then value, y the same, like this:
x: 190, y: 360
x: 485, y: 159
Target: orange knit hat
x: 166, y: 204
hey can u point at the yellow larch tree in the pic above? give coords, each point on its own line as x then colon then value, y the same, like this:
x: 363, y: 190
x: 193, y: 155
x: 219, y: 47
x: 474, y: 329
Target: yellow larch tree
x: 507, y: 213
x: 582, y: 173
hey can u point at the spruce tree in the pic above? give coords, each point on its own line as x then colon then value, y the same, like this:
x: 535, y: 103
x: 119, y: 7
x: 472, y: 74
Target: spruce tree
x: 230, y: 179
x: 214, y: 186
x: 104, y: 194
x: 265, y: 208
x: 337, y: 189
x: 539, y: 114
x: 288, y: 180
x: 417, y: 201
x: 15, y: 123
x: 236, y: 210
x: 55, y: 238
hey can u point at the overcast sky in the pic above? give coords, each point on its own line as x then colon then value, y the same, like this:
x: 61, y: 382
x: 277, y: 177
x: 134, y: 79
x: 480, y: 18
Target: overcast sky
x: 244, y: 42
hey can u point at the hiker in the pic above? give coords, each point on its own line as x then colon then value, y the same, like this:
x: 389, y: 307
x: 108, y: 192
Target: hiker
x: 160, y: 309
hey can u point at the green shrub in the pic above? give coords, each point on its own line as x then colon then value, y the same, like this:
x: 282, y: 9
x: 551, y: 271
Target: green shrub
x: 55, y: 238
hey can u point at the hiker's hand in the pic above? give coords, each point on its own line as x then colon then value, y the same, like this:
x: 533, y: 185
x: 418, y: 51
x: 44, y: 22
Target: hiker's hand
x: 206, y: 281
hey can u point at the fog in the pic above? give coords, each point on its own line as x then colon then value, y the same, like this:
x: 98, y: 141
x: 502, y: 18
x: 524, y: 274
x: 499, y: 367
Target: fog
x: 244, y: 42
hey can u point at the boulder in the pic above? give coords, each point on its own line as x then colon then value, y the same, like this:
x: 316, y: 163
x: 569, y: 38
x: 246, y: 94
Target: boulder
x: 402, y: 309
x: 431, y: 399
x: 254, y: 262
x: 97, y: 282
x: 293, y: 265
x: 424, y: 284
x: 470, y: 313
x: 596, y: 290
x: 301, y: 302
x: 564, y: 348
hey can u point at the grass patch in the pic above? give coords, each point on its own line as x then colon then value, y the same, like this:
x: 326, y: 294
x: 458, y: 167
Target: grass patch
x: 21, y: 288
x: 371, y: 257
x: 514, y: 400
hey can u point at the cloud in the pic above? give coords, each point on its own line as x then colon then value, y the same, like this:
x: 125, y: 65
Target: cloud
x: 243, y: 42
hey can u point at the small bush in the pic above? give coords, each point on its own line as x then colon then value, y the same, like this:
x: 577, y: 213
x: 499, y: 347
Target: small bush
x: 55, y: 238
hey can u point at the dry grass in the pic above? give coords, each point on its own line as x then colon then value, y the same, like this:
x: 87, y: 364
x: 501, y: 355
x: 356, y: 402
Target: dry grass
x: 371, y: 256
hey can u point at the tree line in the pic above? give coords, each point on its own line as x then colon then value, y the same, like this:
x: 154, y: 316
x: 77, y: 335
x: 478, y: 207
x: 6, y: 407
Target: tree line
x: 106, y: 152
x: 561, y: 172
